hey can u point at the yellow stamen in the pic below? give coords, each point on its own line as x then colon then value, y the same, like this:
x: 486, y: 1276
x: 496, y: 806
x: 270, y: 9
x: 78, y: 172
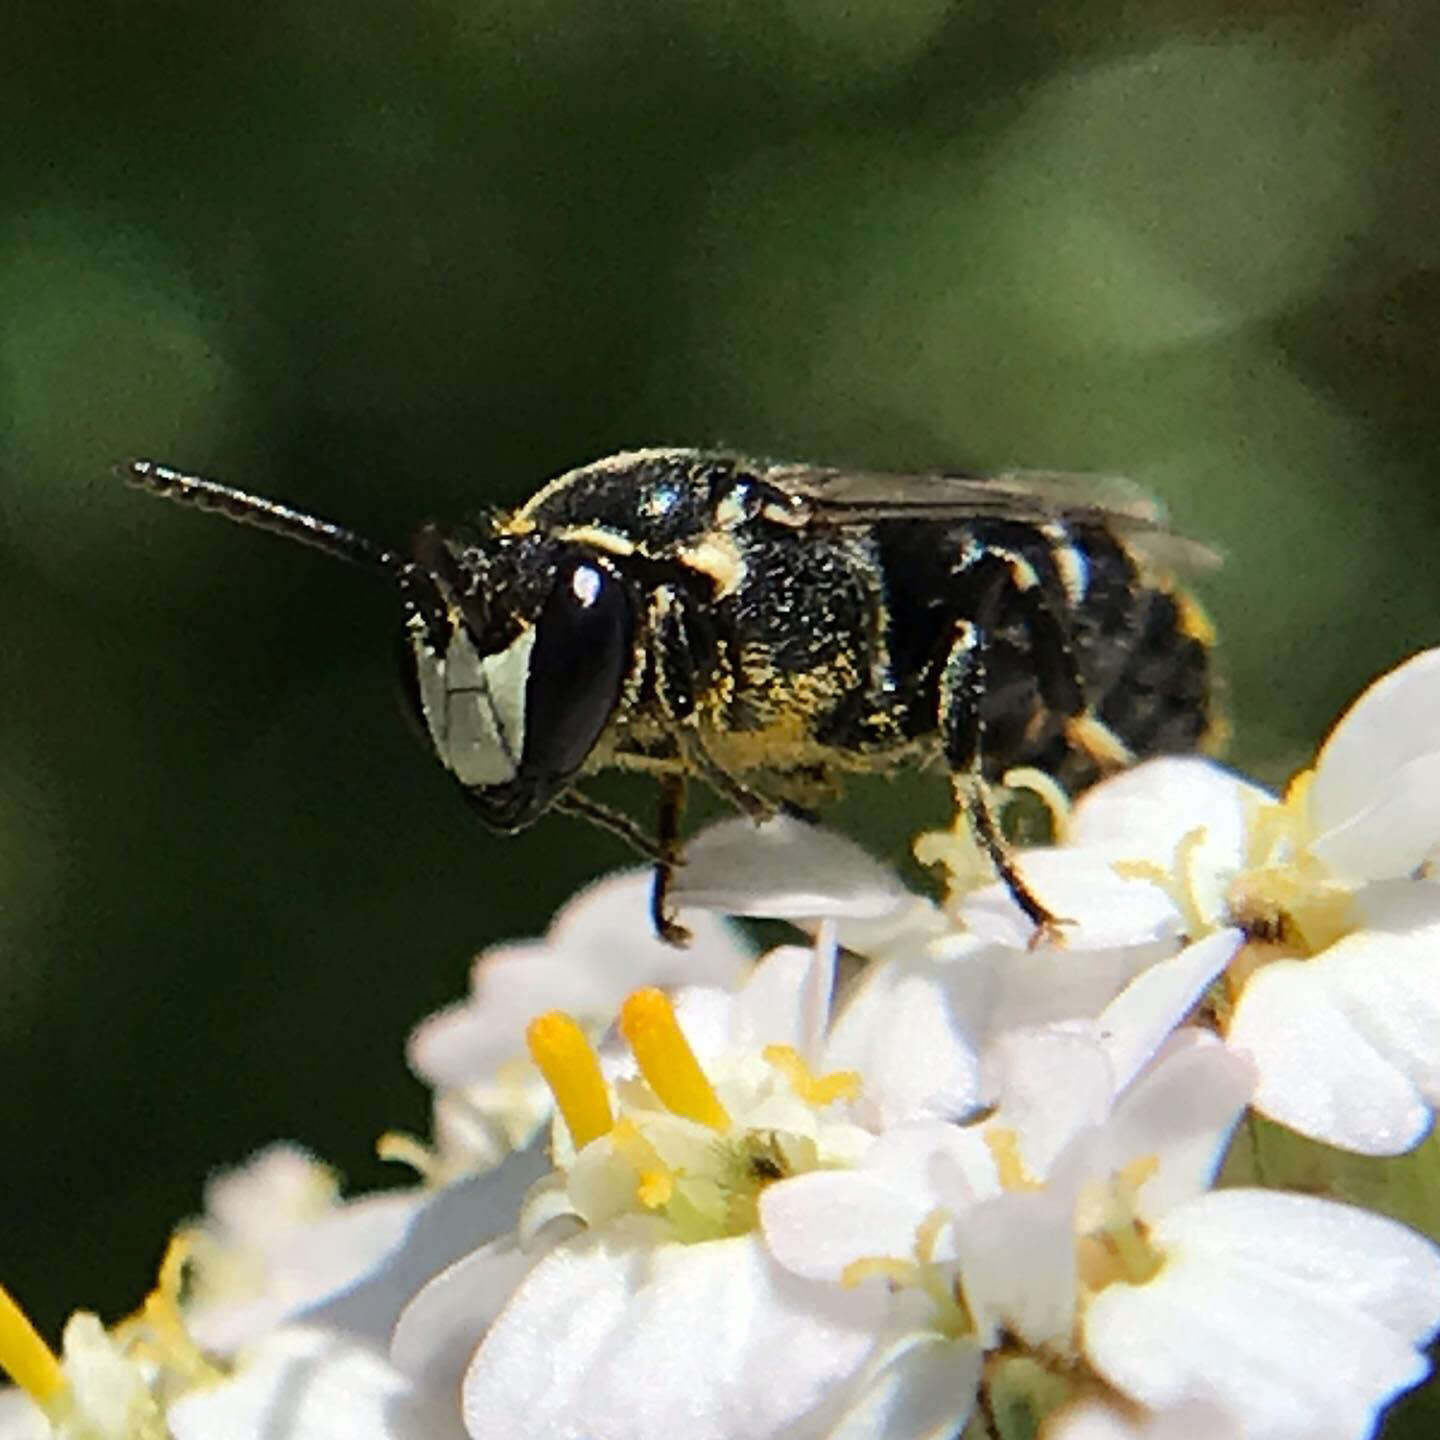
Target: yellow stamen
x: 571, y: 1068
x: 813, y: 1089
x: 898, y: 1272
x: 408, y: 1150
x: 648, y: 1023
x: 26, y: 1358
x: 160, y: 1314
x: 655, y: 1183
x: 1004, y: 1145
x: 1051, y: 793
x: 928, y: 1233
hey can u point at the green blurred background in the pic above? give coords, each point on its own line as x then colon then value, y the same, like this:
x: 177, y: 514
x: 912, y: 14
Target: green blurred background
x: 400, y: 261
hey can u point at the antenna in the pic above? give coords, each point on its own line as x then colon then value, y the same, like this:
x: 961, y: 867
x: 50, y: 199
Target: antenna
x: 263, y: 514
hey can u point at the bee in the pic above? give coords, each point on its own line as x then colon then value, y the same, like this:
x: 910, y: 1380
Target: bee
x: 769, y: 628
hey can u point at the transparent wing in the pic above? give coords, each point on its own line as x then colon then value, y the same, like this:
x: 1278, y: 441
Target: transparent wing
x: 859, y: 497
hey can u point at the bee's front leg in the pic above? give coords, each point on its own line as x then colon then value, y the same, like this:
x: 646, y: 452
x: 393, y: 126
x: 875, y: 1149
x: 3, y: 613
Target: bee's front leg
x: 672, y: 808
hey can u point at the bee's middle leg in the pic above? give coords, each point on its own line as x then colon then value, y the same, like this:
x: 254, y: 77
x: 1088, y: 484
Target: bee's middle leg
x: 961, y: 724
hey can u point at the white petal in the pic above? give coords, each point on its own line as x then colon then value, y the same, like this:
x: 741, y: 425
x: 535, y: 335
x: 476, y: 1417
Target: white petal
x: 1316, y: 1072
x: 454, y: 1222
x: 1051, y: 1082
x: 898, y: 1032
x: 1136, y: 1022
x: 994, y: 988
x: 1145, y: 812
x: 600, y: 946
x: 923, y: 1388
x: 1290, y: 1361
x: 787, y: 870
x: 1017, y: 1260
x: 1392, y: 835
x: 768, y: 1008
x: 307, y: 1385
x: 441, y: 1328
x: 1370, y: 1262
x: 817, y: 1224
x: 1395, y: 722
x: 21, y: 1418
x: 314, y: 1262
x: 708, y: 1341
x: 1180, y: 1111
x: 1388, y: 988
x: 1096, y: 1420
x: 1101, y: 909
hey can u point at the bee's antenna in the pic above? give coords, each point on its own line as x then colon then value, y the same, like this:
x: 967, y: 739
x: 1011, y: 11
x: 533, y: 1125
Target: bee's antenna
x: 265, y: 514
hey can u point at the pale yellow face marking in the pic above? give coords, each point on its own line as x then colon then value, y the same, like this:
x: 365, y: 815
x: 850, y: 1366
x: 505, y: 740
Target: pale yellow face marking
x: 475, y: 707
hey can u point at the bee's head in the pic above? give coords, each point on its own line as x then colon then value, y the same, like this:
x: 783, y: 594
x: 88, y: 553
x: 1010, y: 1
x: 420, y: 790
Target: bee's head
x: 516, y: 653
x: 516, y: 647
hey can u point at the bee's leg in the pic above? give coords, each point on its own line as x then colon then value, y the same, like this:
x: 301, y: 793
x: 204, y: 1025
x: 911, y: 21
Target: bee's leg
x: 1057, y: 667
x: 572, y: 802
x: 672, y: 806
x: 962, y: 733
x: 746, y: 800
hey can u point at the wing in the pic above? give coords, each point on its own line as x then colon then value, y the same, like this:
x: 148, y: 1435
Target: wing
x: 857, y: 497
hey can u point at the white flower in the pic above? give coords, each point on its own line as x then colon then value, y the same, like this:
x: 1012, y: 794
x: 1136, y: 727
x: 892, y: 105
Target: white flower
x: 638, y: 1299
x: 277, y: 1240
x: 1076, y: 1222
x: 1334, y: 988
x: 600, y: 946
x: 314, y: 1385
x: 94, y: 1391
x: 1302, y: 1316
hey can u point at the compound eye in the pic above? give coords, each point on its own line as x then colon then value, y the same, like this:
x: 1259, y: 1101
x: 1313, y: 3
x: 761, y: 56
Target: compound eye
x: 582, y: 644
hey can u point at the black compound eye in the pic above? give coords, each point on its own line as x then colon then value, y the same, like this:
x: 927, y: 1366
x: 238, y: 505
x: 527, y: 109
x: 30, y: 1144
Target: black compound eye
x: 582, y: 644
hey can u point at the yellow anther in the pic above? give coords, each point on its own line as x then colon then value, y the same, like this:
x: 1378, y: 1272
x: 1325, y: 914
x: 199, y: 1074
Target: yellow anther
x: 898, y: 1272
x: 813, y: 1089
x: 648, y: 1023
x: 1004, y: 1145
x: 571, y: 1068
x: 27, y: 1359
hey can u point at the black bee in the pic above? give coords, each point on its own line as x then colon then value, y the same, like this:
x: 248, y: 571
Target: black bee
x: 767, y: 628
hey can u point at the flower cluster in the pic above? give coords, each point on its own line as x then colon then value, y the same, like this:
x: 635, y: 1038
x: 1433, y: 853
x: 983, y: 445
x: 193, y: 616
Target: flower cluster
x: 926, y: 1174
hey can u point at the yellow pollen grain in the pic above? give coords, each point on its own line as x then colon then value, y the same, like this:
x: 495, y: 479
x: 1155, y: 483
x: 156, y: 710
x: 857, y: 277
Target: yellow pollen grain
x: 648, y: 1023
x: 26, y: 1358
x: 813, y: 1089
x: 567, y: 1060
x: 655, y: 1183
x: 654, y: 1189
x: 1004, y: 1146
